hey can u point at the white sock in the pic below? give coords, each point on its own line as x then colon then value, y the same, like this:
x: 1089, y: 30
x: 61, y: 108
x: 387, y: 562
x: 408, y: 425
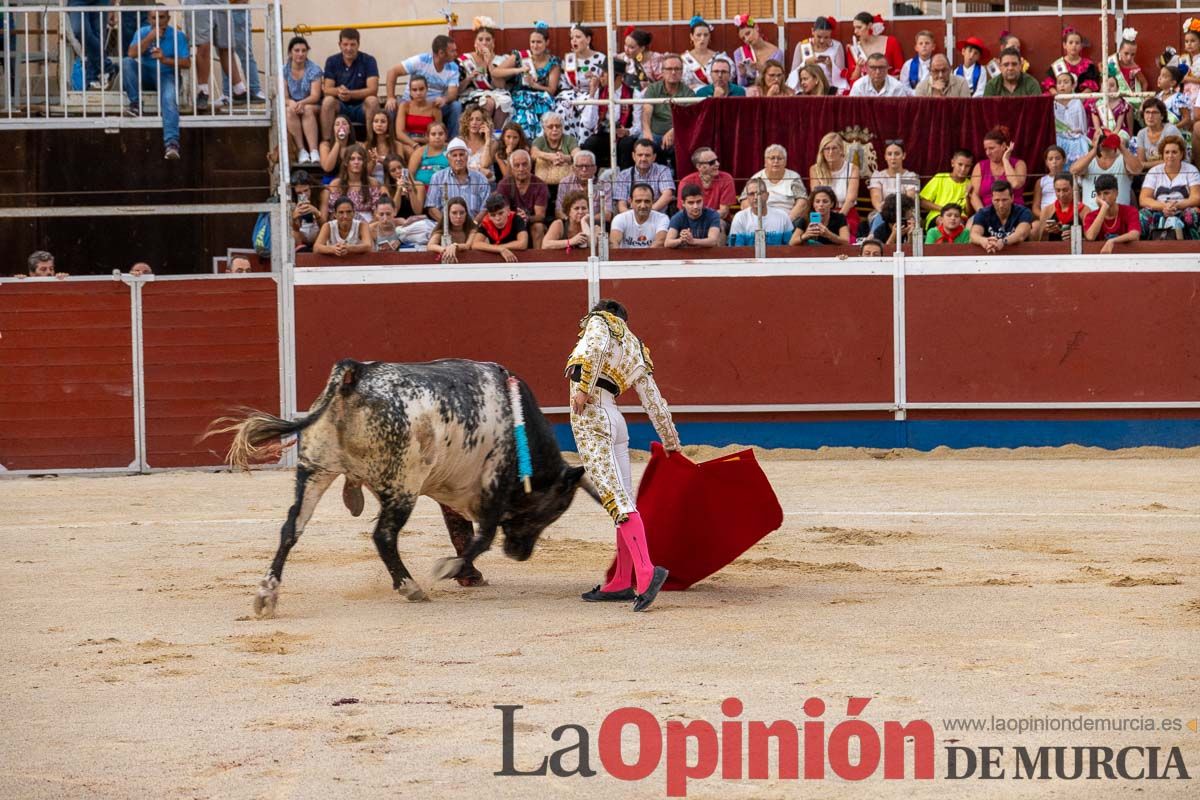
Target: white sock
x: 240, y: 88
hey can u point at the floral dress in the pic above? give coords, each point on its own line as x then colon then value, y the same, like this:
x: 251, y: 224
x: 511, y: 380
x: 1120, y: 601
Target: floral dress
x: 530, y: 104
x: 574, y: 85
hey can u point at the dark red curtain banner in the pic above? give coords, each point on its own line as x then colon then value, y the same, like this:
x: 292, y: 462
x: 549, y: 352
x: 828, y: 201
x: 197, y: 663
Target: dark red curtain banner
x: 740, y: 128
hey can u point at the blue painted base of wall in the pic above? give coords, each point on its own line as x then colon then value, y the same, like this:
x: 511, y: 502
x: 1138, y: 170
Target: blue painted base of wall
x: 923, y: 434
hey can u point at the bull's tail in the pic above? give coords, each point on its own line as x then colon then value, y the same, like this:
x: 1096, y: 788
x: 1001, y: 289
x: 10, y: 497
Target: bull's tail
x: 252, y: 428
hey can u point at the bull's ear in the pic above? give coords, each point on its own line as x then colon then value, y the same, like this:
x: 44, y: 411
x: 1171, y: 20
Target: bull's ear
x: 571, y: 476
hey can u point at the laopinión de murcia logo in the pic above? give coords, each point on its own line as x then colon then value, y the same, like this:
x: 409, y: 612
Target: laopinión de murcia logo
x: 853, y: 749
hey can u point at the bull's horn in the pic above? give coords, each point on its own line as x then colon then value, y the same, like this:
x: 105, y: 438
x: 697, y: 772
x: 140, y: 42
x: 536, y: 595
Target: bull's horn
x: 586, y: 484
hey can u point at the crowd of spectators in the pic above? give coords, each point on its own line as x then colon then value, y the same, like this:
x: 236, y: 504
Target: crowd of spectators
x: 490, y: 151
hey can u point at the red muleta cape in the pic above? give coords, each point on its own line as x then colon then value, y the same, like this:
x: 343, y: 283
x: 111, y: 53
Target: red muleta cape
x: 700, y: 517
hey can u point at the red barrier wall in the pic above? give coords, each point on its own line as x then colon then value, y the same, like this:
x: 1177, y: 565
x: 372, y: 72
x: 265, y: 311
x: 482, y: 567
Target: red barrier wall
x: 765, y: 339
x: 1053, y: 338
x: 66, y: 368
x: 209, y: 345
x: 528, y: 326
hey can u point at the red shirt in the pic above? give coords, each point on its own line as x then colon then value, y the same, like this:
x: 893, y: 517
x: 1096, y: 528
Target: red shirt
x: 719, y: 195
x: 1125, y: 221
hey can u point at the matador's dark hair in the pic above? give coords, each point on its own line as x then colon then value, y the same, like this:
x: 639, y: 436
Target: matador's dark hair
x: 612, y: 307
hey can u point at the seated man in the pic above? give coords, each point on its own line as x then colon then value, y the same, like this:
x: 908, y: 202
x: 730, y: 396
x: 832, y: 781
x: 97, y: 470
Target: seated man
x: 40, y: 264
x: 641, y: 226
x: 1112, y: 221
x: 942, y: 82
x: 877, y: 82
x: 240, y: 265
x: 645, y: 171
x: 949, y: 187
x: 694, y: 225
x: 657, y: 120
x: 1012, y: 81
x: 527, y: 195
x: 500, y: 231
x: 717, y: 186
x: 350, y: 85
x: 139, y: 269
x: 1002, y: 224
x: 157, y: 55
x: 583, y: 169
x: 948, y: 228
x: 721, y: 73
x: 457, y: 180
x: 870, y: 248
x: 884, y: 227
x: 776, y: 223
x: 440, y: 69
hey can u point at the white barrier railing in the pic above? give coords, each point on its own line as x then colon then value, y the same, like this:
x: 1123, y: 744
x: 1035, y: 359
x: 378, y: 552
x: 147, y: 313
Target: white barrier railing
x: 71, y: 66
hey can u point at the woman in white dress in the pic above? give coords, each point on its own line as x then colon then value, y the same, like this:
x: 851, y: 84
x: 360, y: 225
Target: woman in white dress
x: 823, y: 51
x: 578, y: 67
x: 696, y: 62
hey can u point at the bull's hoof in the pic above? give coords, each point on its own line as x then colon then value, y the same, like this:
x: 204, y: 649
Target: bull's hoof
x: 418, y: 596
x: 352, y: 496
x: 448, y: 568
x: 266, y: 597
x: 412, y: 592
x: 476, y: 580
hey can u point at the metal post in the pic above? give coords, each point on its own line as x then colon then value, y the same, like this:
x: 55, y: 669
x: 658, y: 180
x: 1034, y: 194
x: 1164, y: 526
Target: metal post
x: 613, y: 49
x: 1076, y: 230
x: 283, y: 254
x: 899, y: 339
x: 591, y: 189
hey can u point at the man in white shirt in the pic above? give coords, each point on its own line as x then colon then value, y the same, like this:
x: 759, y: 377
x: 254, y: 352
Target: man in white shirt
x: 776, y: 223
x: 877, y: 82
x: 641, y: 226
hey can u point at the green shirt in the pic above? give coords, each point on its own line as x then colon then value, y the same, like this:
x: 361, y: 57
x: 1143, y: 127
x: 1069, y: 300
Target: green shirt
x: 964, y: 235
x: 942, y: 190
x: 1027, y: 86
x: 660, y: 113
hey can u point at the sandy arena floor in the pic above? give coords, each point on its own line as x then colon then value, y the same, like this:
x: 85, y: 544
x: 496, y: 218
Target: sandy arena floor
x: 981, y: 585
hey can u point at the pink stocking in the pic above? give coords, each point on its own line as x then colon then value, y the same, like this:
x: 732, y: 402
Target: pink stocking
x: 633, y: 535
x: 622, y: 577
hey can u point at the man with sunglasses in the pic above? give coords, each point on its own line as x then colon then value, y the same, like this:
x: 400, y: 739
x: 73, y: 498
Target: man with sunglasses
x: 716, y: 185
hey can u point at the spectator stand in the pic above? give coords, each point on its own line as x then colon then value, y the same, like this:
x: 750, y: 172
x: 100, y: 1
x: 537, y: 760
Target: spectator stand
x: 44, y: 39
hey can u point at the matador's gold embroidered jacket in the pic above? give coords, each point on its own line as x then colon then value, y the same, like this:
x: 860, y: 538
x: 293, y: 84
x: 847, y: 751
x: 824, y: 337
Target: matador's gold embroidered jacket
x: 608, y: 349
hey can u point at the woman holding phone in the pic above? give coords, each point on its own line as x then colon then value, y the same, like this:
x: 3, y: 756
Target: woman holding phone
x: 825, y: 225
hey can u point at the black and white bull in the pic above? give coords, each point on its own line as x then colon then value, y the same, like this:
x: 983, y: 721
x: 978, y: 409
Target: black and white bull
x: 443, y: 429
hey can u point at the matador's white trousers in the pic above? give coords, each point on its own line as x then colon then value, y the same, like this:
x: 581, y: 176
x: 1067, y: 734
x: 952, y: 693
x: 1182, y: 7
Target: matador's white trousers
x: 603, y: 442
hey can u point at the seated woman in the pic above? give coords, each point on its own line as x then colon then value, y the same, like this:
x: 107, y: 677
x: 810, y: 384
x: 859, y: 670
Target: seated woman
x: 475, y: 128
x: 770, y: 83
x: 835, y: 171
x: 500, y: 231
x: 308, y: 212
x: 392, y: 233
x: 1059, y: 212
x: 641, y: 65
x: 1110, y: 155
x: 812, y: 83
x: 579, y: 65
x: 414, y: 116
x: 576, y: 231
x: 825, y: 224
x: 380, y: 144
x: 998, y: 163
x: 1156, y: 130
x: 884, y: 227
x: 427, y: 160
x: 535, y: 88
x: 552, y: 151
x: 785, y: 187
x: 354, y: 183
x: 345, y: 234
x: 883, y: 181
x: 1055, y: 159
x: 448, y: 240
x: 332, y: 149
x: 398, y: 185
x: 512, y: 138
x: 869, y: 37
x: 1170, y: 199
x: 303, y: 100
x: 823, y: 52
x: 482, y: 84
x: 752, y: 57
x: 698, y: 60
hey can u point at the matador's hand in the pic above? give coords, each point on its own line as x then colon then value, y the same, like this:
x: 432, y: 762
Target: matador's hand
x: 578, y: 401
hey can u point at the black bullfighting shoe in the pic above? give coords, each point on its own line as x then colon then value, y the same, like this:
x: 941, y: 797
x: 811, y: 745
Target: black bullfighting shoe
x: 643, y: 600
x: 597, y: 596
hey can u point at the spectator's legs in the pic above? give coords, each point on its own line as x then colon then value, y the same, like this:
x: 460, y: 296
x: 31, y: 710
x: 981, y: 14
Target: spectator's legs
x: 450, y: 115
x: 309, y: 123
x: 369, y: 107
x: 131, y: 23
x: 243, y: 48
x: 295, y: 127
x: 329, y: 110
x: 129, y: 77
x: 168, y: 103
x: 87, y: 27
